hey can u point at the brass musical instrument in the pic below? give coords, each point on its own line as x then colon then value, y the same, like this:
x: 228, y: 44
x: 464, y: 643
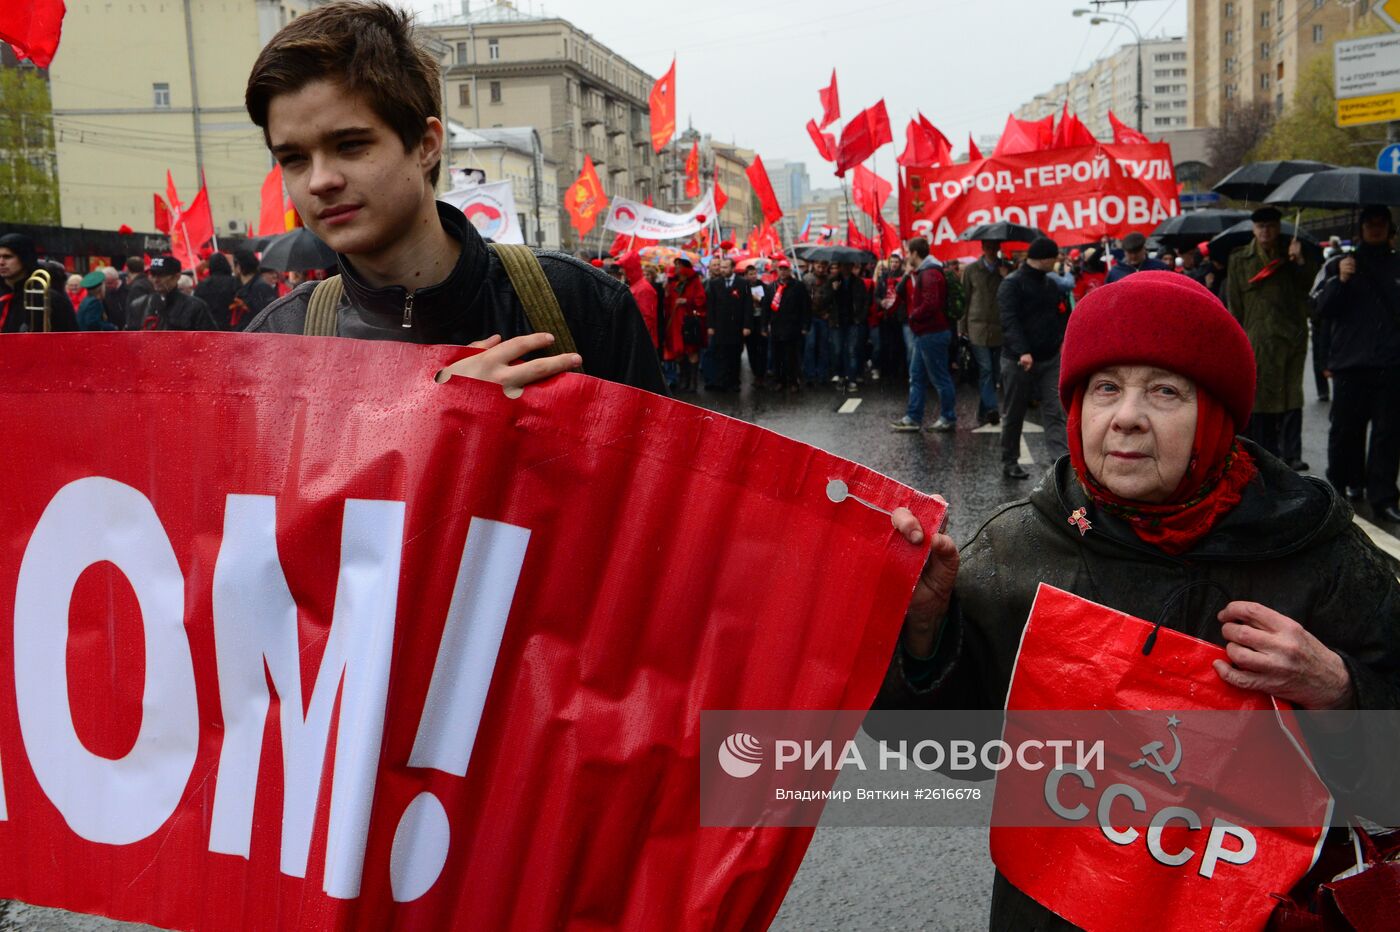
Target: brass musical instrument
x: 38, y: 301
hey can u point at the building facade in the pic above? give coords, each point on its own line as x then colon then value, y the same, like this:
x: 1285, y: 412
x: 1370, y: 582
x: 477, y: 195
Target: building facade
x: 510, y: 68
x: 1248, y: 51
x: 139, y: 88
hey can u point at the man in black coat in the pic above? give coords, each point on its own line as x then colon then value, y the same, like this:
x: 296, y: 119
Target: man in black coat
x: 788, y: 309
x: 1359, y: 300
x: 1032, y: 327
x: 174, y: 309
x: 729, y: 309
x: 219, y: 290
x: 19, y: 257
x: 141, y: 297
x: 253, y: 293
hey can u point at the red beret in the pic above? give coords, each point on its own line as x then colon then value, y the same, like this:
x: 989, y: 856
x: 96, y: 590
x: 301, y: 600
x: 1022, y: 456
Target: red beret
x: 1161, y: 319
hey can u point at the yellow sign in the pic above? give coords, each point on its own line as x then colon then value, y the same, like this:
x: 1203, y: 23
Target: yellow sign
x: 1389, y: 11
x: 1376, y: 108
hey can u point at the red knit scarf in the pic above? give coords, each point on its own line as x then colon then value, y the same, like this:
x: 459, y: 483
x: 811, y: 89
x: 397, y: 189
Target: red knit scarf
x: 1218, y: 472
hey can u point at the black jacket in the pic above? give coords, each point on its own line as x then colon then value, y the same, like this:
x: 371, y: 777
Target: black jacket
x: 62, y: 317
x: 184, y: 312
x: 218, y: 291
x: 728, y: 309
x: 477, y: 300
x: 141, y: 302
x: 115, y: 302
x: 255, y: 294
x: 1031, y: 320
x: 791, y: 318
x: 1363, y: 313
x: 850, y: 301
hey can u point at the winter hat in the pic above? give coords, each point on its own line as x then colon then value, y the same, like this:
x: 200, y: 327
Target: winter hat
x: 1266, y: 215
x: 22, y: 246
x: 1043, y: 248
x: 1133, y: 242
x: 1166, y: 320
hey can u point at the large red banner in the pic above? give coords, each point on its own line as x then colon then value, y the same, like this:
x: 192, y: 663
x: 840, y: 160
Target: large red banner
x: 292, y: 636
x: 1073, y: 195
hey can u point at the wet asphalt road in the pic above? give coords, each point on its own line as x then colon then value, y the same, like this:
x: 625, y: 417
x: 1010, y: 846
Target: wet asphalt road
x: 864, y: 878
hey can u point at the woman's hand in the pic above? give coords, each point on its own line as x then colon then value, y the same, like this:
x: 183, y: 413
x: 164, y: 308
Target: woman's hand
x: 929, y: 604
x: 1272, y: 653
x: 497, y: 362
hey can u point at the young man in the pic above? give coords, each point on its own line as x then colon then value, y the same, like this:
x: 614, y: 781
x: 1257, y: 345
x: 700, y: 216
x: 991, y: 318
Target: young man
x: 348, y: 104
x: 18, y: 259
x: 254, y: 292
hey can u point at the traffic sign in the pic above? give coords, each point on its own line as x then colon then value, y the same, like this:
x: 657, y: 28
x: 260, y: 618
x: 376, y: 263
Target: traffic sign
x: 1199, y: 199
x: 1389, y: 12
x: 1389, y: 159
x: 1367, y: 76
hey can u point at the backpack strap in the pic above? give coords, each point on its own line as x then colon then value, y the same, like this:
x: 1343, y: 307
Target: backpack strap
x: 321, y: 308
x: 536, y: 297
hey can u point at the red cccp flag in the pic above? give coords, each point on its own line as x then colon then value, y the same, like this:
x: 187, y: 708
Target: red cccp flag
x: 1124, y: 134
x: 662, y: 101
x: 585, y: 199
x: 162, y: 215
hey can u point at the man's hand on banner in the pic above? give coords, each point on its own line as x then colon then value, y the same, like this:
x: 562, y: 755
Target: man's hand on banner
x: 932, y: 593
x: 1274, y: 654
x: 497, y: 362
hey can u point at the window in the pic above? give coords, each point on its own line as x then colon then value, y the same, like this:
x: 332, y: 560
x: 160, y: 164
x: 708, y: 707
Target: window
x: 464, y: 95
x: 1263, y: 50
x: 1317, y: 4
x: 1229, y: 65
x: 1317, y: 33
x: 493, y: 49
x: 1229, y: 92
x: 1264, y: 81
x: 1229, y: 37
x: 1264, y: 19
x: 495, y: 92
x: 461, y: 53
x: 1229, y: 10
x: 161, y: 93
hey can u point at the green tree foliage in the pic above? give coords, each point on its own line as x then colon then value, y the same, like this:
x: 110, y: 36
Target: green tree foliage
x: 1307, y: 128
x: 28, y: 165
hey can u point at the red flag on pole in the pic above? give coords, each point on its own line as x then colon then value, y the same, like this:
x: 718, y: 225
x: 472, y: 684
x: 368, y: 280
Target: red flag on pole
x: 924, y: 144
x: 758, y: 178
x: 32, y: 28
x: 831, y: 102
x: 720, y: 197
x: 1071, y: 132
x: 272, y: 215
x: 198, y: 221
x: 663, y: 108
x: 585, y: 199
x: 974, y: 154
x: 1125, y: 135
x: 170, y: 195
x: 866, y: 132
x: 889, y: 237
x: 825, y: 142
x: 870, y: 190
x: 162, y: 218
x: 856, y: 239
x: 692, y: 170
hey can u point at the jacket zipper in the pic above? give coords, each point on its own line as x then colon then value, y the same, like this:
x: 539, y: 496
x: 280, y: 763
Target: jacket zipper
x: 408, y: 311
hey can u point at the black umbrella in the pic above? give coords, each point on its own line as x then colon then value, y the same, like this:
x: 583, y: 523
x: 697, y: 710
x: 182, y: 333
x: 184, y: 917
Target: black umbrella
x: 1253, y: 182
x: 1241, y: 233
x: 1190, y: 229
x: 297, y: 251
x: 841, y: 254
x: 804, y: 250
x: 1339, y: 188
x: 1002, y: 232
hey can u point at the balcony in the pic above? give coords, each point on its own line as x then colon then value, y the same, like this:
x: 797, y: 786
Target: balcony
x: 616, y: 125
x: 591, y: 114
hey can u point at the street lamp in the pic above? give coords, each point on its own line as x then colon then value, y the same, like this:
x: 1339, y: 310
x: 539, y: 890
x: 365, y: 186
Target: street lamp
x: 1121, y: 20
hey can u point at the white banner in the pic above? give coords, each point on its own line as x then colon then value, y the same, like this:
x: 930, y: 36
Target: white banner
x: 632, y: 219
x: 490, y: 208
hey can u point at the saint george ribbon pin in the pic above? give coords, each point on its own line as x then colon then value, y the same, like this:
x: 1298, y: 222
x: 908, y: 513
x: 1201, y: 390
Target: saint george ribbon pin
x: 1079, y: 519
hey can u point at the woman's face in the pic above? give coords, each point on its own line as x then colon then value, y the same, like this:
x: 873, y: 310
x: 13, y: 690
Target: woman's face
x: 1137, y: 425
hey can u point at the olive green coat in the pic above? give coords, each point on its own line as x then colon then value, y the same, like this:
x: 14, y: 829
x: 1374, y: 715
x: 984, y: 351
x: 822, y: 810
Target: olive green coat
x: 982, y: 324
x: 1274, y: 314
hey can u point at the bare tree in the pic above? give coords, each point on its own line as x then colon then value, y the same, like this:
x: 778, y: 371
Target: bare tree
x: 1242, y: 128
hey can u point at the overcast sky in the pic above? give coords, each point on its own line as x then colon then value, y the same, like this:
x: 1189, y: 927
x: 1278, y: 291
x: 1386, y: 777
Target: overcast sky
x: 747, y: 71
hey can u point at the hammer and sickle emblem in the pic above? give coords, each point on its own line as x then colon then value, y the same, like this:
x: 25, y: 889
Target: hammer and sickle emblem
x: 1153, y: 750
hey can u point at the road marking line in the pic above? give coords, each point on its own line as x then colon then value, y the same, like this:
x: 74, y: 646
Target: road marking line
x: 1027, y: 427
x: 849, y: 406
x: 1381, y: 538
x: 1025, y: 459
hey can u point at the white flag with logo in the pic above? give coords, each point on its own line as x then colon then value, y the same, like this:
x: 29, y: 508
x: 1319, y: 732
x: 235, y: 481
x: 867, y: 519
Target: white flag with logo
x: 490, y: 208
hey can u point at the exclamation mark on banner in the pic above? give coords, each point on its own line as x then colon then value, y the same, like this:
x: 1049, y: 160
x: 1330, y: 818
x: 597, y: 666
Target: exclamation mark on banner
x: 471, y: 638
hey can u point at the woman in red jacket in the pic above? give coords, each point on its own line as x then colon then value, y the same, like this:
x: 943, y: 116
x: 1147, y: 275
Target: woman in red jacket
x: 685, y: 321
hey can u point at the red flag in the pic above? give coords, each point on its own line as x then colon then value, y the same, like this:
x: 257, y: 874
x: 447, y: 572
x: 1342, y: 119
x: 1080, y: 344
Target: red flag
x: 175, y: 206
x: 889, y: 237
x: 974, y: 154
x: 1071, y: 132
x: 924, y: 144
x: 825, y: 142
x: 663, y: 109
x: 866, y: 132
x: 272, y: 214
x: 1125, y: 135
x: 831, y: 103
x: 856, y: 239
x: 162, y: 219
x: 870, y: 190
x: 32, y: 27
x: 585, y: 199
x: 758, y: 179
x: 720, y: 197
x: 692, y: 170
x: 197, y: 222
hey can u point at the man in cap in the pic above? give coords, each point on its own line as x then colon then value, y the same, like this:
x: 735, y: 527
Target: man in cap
x: 92, y: 312
x: 1033, y: 328
x: 177, y: 310
x: 1267, y: 291
x: 1359, y: 297
x: 1135, y: 259
x: 18, y: 259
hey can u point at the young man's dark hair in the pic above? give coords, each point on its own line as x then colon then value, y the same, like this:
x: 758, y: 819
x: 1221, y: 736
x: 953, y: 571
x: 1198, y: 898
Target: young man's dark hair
x: 349, y: 104
x: 919, y: 247
x: 245, y: 262
x: 135, y: 266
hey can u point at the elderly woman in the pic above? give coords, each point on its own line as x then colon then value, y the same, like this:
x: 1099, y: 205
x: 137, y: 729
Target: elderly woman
x: 1158, y: 380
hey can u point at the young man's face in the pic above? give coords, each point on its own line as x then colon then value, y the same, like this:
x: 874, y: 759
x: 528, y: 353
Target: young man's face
x: 10, y: 265
x: 346, y: 170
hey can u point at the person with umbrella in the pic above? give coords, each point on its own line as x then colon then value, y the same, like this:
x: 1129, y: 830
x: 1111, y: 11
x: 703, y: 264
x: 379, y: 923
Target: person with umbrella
x: 1360, y: 297
x: 1267, y: 291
